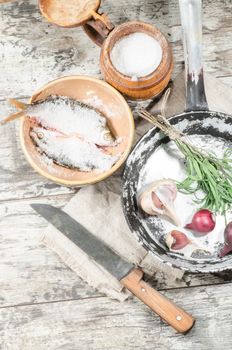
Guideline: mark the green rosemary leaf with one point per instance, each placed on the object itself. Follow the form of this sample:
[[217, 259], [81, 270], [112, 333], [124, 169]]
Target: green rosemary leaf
[[209, 174]]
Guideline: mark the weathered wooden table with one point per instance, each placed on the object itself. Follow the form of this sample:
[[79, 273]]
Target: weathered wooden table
[[43, 304]]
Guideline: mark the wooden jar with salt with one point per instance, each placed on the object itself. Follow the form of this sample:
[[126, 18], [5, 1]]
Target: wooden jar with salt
[[138, 87], [98, 27]]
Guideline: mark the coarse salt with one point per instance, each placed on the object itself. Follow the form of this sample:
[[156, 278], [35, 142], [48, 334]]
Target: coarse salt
[[72, 134], [72, 117], [71, 151], [136, 55]]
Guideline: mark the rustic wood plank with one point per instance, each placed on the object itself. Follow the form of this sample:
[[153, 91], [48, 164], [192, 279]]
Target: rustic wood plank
[[39, 51], [34, 51], [217, 33], [72, 315], [100, 323], [30, 273]]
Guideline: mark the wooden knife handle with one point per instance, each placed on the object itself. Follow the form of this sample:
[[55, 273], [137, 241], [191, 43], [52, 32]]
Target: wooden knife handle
[[169, 312]]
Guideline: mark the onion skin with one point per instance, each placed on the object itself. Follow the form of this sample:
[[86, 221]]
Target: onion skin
[[228, 241], [202, 222]]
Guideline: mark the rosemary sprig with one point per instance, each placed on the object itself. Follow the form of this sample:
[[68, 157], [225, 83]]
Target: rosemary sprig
[[205, 172]]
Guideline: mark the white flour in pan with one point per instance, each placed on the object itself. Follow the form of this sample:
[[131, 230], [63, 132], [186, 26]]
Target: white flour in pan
[[168, 162]]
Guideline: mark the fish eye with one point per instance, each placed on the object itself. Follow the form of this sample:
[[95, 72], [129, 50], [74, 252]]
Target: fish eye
[[40, 135]]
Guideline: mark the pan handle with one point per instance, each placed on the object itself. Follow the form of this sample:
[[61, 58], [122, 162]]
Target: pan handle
[[191, 20]]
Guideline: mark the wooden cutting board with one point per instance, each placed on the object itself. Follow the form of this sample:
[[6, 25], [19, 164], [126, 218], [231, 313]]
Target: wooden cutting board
[[219, 96]]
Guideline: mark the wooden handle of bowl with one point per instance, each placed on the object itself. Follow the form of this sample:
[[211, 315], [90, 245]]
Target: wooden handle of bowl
[[168, 311], [98, 28]]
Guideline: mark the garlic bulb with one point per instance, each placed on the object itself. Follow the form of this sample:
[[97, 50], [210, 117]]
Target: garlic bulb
[[158, 198]]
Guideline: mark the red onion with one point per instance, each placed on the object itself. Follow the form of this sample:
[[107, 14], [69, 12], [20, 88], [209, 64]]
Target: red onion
[[228, 241], [202, 222]]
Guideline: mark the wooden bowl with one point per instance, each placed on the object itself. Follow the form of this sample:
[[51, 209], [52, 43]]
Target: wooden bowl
[[101, 96], [68, 14], [145, 87]]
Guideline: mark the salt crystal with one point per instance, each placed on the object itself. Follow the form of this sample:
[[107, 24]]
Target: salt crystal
[[136, 55]]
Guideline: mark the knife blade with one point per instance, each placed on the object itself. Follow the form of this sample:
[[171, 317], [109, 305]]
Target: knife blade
[[129, 275], [85, 240]]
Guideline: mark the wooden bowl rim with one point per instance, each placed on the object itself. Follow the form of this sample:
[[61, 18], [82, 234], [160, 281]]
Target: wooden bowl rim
[[101, 176], [73, 25]]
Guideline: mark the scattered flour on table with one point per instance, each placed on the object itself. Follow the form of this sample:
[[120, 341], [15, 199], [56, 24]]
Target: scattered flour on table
[[168, 162], [136, 55]]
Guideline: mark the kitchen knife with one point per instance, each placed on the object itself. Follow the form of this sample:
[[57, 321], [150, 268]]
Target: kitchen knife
[[129, 275]]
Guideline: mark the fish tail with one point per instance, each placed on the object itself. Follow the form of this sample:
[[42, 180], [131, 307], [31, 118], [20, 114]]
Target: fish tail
[[12, 117], [17, 104]]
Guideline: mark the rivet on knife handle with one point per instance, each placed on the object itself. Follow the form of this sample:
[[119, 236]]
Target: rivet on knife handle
[[169, 312]]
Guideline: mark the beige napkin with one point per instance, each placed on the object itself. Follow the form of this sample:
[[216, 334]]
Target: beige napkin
[[98, 208]]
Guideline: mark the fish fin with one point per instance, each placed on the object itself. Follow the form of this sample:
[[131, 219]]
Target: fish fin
[[17, 104], [12, 117]]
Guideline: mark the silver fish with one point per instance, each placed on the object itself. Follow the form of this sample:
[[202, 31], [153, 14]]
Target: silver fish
[[71, 117], [71, 152]]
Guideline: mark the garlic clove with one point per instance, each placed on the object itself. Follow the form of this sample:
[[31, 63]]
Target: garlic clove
[[157, 199], [166, 197], [176, 240], [171, 213], [179, 242], [146, 202]]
